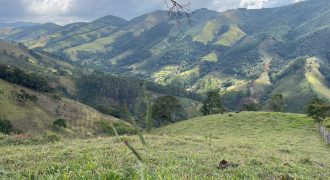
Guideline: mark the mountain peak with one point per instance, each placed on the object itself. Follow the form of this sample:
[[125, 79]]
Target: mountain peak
[[111, 20]]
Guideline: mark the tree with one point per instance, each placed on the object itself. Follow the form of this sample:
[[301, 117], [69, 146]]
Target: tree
[[277, 103], [318, 110], [166, 110], [212, 104]]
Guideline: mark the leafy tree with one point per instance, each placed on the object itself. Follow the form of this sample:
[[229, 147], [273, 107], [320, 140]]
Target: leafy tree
[[318, 109], [6, 126], [212, 103], [60, 123], [277, 103], [166, 110]]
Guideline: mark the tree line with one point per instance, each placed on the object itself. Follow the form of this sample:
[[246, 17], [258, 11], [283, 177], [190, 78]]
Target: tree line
[[20, 77]]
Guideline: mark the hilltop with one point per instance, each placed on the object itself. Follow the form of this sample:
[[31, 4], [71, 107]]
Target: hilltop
[[256, 146]]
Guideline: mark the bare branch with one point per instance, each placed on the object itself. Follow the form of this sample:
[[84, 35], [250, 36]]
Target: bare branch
[[179, 10]]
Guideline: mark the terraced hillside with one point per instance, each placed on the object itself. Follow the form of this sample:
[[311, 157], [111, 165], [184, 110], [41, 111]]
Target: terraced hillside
[[254, 145]]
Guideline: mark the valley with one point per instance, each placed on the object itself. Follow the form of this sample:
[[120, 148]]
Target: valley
[[238, 94], [224, 51]]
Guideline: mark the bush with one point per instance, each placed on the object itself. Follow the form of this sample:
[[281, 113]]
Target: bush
[[50, 137], [121, 128], [6, 127], [60, 123], [28, 139], [115, 111], [251, 107], [23, 96]]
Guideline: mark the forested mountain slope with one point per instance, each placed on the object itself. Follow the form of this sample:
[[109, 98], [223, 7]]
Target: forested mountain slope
[[248, 54]]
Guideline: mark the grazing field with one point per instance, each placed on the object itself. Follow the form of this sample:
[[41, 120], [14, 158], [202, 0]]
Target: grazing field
[[254, 145]]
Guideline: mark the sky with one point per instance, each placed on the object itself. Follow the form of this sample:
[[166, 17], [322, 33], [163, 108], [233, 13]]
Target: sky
[[67, 11]]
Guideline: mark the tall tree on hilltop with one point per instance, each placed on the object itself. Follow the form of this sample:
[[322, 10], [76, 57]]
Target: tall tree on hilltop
[[166, 110], [318, 109], [212, 103], [277, 103]]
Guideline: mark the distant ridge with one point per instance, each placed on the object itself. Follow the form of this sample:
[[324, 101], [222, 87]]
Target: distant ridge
[[17, 24]]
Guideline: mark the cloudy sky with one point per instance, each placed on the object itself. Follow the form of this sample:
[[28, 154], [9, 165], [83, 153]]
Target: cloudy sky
[[66, 11]]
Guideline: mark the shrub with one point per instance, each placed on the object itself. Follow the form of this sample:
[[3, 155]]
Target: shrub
[[50, 137], [121, 128], [23, 96], [6, 126], [60, 123], [251, 107], [56, 96], [28, 139]]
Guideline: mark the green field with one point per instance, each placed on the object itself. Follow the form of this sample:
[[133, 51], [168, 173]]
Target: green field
[[257, 145]]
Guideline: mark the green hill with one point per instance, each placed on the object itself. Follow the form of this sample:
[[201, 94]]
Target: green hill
[[227, 50], [255, 145], [20, 56]]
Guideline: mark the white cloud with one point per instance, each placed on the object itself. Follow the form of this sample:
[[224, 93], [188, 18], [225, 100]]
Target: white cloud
[[48, 7], [222, 5], [252, 4], [49, 10], [66, 11]]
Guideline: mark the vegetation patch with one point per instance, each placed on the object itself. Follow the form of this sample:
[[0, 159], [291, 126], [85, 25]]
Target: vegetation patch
[[6, 126], [229, 38], [28, 139], [20, 77], [122, 128], [60, 123]]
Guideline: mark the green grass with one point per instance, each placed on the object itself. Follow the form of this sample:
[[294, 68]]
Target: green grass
[[163, 73], [264, 145], [229, 38], [212, 57], [207, 33]]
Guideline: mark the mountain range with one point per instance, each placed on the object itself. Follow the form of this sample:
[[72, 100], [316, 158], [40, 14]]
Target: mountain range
[[249, 54]]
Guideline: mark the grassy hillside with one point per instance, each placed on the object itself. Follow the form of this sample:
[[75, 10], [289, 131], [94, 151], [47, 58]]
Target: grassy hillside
[[37, 115], [256, 145]]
